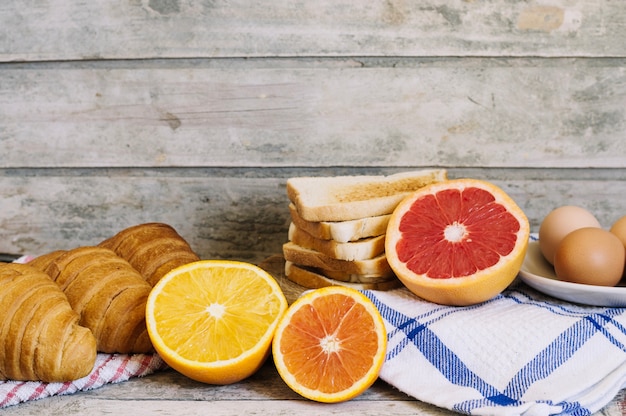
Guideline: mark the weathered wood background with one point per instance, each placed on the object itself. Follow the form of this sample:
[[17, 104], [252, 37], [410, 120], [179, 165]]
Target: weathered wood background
[[195, 113]]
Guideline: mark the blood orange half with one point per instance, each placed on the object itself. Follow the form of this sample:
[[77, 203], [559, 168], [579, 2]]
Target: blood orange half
[[330, 345], [458, 242]]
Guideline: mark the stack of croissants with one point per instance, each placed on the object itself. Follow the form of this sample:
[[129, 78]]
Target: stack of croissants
[[62, 308]]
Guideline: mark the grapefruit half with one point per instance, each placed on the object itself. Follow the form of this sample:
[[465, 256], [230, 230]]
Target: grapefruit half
[[457, 242]]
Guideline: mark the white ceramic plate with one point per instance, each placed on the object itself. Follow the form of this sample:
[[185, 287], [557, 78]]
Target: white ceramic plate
[[537, 273]]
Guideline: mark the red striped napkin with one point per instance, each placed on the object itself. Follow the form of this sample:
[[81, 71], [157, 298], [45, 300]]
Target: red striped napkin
[[108, 369]]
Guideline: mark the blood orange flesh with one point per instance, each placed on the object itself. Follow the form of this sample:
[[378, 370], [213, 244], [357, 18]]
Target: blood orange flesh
[[330, 345], [457, 242]]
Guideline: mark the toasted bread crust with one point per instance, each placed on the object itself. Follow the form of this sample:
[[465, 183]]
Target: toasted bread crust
[[363, 249], [344, 198], [313, 280], [308, 257], [341, 231]]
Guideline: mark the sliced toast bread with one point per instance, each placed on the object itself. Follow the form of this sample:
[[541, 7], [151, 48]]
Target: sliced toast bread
[[343, 198], [310, 279], [376, 266], [341, 231], [363, 249], [352, 277]]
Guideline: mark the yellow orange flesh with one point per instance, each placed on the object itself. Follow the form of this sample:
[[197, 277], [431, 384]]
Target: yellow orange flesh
[[213, 320], [458, 242], [330, 345]]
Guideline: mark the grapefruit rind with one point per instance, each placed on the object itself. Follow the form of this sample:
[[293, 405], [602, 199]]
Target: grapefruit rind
[[357, 387], [218, 372], [468, 290]]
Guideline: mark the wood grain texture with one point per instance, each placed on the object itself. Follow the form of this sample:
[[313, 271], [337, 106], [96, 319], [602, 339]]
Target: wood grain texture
[[268, 113], [92, 145], [241, 215], [99, 29], [169, 393]]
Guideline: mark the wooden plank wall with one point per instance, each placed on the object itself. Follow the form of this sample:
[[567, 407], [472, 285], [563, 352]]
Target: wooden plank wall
[[195, 113]]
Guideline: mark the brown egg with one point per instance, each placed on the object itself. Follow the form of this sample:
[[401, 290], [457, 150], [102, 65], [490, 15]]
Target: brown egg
[[619, 229], [560, 222], [591, 256]]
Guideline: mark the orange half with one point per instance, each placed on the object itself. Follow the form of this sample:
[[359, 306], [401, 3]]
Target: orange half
[[330, 345], [214, 320]]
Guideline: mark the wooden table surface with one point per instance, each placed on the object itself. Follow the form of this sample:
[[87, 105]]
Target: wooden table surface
[[169, 393]]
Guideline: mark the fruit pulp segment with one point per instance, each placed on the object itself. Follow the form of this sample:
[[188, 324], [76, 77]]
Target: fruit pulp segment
[[483, 230], [213, 316], [330, 343]]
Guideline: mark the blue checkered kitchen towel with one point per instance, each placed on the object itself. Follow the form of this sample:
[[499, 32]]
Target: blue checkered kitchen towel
[[519, 353]]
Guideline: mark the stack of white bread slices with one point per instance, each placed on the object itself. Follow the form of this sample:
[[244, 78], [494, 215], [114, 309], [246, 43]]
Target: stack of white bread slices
[[338, 226]]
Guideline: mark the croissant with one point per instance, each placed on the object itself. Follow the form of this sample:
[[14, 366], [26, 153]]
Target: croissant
[[40, 335], [107, 292], [152, 248], [42, 262]]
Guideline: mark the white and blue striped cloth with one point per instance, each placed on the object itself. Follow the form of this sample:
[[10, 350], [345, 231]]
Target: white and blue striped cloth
[[519, 353]]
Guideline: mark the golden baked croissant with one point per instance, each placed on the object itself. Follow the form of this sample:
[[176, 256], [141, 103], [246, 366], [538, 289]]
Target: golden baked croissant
[[107, 292], [40, 337], [152, 248], [42, 262]]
